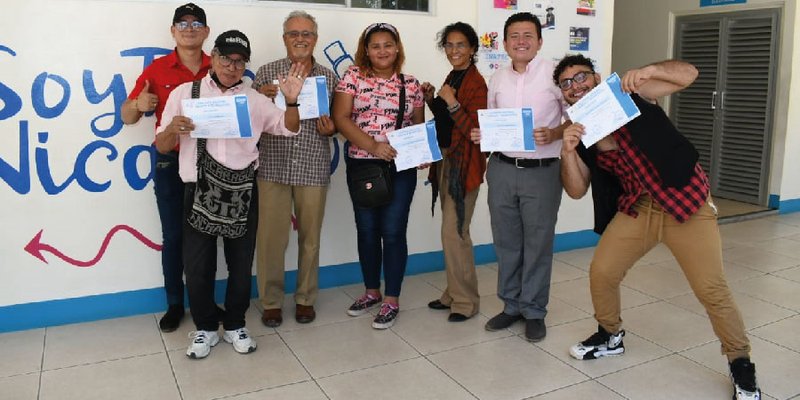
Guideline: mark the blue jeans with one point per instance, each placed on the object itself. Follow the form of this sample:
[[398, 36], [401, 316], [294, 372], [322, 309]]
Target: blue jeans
[[381, 232], [169, 199], [200, 253]]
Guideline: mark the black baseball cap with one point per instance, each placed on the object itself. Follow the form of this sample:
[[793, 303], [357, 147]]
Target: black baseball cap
[[189, 9], [233, 42]]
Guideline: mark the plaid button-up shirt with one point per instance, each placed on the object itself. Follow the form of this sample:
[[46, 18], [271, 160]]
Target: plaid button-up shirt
[[302, 160], [638, 176]]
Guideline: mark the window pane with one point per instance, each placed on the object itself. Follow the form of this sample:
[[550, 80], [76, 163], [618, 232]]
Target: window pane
[[413, 5], [313, 1]]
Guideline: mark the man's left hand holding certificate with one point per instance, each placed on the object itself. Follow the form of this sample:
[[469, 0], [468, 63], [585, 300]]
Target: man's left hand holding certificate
[[313, 98], [415, 145], [224, 117]]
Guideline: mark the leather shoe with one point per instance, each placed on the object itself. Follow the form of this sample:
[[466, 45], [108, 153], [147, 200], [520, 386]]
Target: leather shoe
[[438, 305], [304, 314], [501, 321], [172, 319], [272, 317], [456, 317], [535, 329]]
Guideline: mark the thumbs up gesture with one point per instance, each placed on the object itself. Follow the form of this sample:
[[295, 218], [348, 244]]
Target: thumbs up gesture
[[146, 101]]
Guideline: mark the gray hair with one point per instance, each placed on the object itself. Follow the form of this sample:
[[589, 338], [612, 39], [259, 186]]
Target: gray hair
[[300, 14]]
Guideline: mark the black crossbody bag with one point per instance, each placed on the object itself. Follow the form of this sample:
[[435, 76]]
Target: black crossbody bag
[[222, 195], [370, 181]]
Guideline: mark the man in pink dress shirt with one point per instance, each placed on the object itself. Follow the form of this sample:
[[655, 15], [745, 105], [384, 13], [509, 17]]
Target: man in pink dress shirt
[[524, 187], [228, 61]]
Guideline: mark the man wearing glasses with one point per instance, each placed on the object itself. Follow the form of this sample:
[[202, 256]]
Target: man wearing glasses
[[228, 62], [647, 188], [185, 64], [524, 187], [294, 176]]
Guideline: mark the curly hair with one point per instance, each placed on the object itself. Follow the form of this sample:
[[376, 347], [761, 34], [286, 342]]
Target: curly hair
[[465, 29], [568, 61]]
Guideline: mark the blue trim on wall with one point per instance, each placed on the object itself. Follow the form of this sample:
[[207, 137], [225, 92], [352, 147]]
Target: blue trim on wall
[[115, 305], [789, 206]]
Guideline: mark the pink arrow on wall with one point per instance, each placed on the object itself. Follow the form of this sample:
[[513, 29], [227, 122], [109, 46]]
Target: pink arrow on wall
[[35, 247]]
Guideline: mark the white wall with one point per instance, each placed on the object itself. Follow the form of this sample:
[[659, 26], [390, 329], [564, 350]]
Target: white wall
[[79, 43], [643, 33]]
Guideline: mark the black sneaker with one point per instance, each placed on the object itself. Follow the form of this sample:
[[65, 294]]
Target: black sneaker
[[600, 344], [743, 376], [172, 319], [501, 321], [386, 316], [363, 304]]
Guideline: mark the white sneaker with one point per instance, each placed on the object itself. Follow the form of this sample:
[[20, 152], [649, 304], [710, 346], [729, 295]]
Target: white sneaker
[[241, 340], [600, 344], [202, 342]]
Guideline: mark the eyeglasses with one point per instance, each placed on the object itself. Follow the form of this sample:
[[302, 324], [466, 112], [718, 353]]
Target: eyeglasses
[[580, 77], [304, 34], [184, 25], [380, 25], [459, 46], [227, 62]]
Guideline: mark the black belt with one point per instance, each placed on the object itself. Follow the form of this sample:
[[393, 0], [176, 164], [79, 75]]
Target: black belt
[[526, 162]]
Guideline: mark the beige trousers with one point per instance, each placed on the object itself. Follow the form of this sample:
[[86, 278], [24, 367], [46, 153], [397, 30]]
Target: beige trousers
[[461, 293], [696, 246], [274, 225]]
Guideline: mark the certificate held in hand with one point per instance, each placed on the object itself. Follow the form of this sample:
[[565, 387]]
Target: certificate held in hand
[[224, 117], [313, 98], [415, 145], [506, 129], [603, 110]]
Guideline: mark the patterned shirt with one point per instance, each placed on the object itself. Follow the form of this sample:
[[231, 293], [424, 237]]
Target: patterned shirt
[[637, 176], [302, 160], [376, 103]]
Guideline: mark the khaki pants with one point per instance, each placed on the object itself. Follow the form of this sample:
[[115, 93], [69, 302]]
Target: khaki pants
[[462, 282], [274, 224], [697, 248]]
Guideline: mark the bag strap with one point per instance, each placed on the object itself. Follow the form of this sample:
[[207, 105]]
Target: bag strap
[[201, 143], [402, 110]]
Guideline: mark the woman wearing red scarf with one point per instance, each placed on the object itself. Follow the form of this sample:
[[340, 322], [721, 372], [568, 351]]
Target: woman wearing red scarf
[[459, 175]]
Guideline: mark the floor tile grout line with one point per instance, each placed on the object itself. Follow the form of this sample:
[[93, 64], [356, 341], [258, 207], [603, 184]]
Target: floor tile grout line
[[451, 377], [41, 364], [305, 368], [169, 358]]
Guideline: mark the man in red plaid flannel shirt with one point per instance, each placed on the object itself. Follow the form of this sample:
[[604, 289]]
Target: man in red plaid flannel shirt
[[648, 188]]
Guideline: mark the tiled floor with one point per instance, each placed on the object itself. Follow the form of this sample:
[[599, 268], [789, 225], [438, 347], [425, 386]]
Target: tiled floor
[[671, 351]]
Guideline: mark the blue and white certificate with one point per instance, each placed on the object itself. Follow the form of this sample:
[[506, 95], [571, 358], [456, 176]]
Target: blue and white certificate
[[506, 129], [415, 145], [603, 110], [224, 117], [313, 98]]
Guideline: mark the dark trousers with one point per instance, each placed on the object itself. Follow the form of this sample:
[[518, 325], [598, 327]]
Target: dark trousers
[[381, 233], [169, 198], [200, 257]]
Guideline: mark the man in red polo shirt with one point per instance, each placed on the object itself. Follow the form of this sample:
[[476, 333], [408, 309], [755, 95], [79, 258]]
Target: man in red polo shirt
[[186, 63], [648, 187]]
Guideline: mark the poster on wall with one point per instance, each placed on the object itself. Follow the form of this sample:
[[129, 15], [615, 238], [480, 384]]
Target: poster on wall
[[506, 4], [578, 39], [563, 31], [586, 7], [546, 14]]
